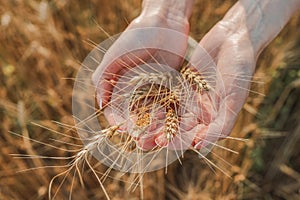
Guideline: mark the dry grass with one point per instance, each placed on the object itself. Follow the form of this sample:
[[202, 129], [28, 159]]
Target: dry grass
[[41, 47]]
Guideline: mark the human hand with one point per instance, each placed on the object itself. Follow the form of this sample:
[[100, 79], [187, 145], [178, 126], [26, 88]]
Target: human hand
[[235, 44], [143, 41], [158, 35], [234, 58]]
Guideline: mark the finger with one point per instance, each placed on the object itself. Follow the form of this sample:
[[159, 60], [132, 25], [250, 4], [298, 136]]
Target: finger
[[224, 122], [212, 42], [146, 140], [146, 144], [107, 74]]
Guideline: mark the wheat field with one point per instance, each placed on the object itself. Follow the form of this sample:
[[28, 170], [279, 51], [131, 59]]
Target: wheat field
[[42, 45]]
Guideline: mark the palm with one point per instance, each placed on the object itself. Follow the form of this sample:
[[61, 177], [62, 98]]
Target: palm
[[235, 61]]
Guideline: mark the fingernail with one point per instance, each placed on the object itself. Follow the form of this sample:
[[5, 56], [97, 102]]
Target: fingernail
[[198, 145], [100, 103]]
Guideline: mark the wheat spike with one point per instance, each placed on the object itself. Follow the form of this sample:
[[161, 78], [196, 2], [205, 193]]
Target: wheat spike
[[194, 78]]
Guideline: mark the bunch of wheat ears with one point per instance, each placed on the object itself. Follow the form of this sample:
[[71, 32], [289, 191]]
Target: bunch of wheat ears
[[147, 123]]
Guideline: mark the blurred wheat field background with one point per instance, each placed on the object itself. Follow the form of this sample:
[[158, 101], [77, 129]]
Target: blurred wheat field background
[[42, 44]]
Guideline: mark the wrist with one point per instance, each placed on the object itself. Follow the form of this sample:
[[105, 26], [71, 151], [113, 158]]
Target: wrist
[[178, 11], [266, 19], [262, 20]]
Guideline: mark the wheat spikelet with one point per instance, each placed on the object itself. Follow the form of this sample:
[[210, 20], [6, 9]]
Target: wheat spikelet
[[143, 118], [194, 78], [171, 124]]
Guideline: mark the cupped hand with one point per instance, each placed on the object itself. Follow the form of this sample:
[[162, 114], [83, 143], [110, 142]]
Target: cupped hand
[[146, 39], [235, 44], [230, 47]]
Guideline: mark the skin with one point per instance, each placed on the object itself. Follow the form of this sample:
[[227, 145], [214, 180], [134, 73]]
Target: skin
[[172, 15], [234, 44]]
